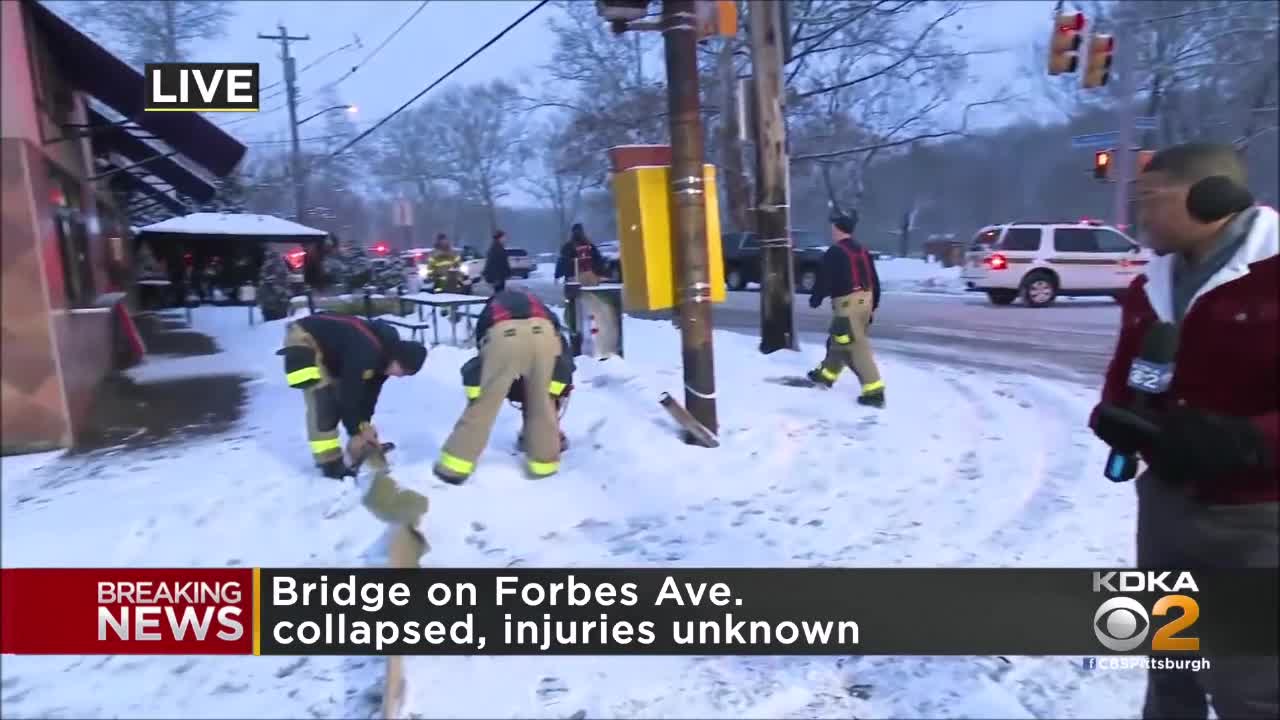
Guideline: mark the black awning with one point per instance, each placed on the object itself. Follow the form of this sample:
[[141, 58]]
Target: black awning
[[91, 68], [111, 137], [135, 184]]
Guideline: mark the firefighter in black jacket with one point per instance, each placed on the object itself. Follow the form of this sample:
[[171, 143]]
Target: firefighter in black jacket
[[848, 276], [522, 349], [340, 362]]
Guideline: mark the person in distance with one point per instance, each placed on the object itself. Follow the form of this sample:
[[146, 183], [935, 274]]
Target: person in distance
[[848, 276], [523, 356], [580, 259], [1209, 496], [497, 266], [340, 363]]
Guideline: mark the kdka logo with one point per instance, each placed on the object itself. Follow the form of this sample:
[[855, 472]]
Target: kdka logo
[[1122, 624], [202, 87]]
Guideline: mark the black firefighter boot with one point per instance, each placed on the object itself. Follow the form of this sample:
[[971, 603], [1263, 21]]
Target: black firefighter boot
[[874, 399], [820, 377]]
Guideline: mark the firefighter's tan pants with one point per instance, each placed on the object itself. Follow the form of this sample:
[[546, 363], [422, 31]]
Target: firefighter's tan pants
[[322, 409], [511, 349], [854, 349]]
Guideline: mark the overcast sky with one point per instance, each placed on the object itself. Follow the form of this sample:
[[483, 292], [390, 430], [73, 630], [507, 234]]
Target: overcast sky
[[445, 31]]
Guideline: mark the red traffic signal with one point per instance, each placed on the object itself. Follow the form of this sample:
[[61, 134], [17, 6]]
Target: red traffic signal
[[295, 258], [1067, 22], [1064, 45]]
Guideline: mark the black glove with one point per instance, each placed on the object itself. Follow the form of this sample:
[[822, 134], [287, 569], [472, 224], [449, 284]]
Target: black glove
[[1123, 430], [336, 470], [1194, 447], [815, 301]]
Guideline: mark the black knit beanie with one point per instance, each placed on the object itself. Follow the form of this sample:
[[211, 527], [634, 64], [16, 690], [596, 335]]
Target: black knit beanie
[[844, 221], [410, 355]]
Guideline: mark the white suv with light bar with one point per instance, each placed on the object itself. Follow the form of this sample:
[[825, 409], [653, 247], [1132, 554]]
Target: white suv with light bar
[[1040, 261]]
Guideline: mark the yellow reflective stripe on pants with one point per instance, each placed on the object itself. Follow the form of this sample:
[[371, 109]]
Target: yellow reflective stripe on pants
[[456, 464], [872, 387], [473, 391], [829, 373], [557, 387], [543, 468], [842, 339], [324, 446], [297, 377]]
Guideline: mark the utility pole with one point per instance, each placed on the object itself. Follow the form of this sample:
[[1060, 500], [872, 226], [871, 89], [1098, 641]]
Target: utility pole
[[777, 293], [1126, 116], [689, 219], [291, 92]]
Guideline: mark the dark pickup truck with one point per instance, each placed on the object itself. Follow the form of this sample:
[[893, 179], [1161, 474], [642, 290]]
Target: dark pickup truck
[[742, 259]]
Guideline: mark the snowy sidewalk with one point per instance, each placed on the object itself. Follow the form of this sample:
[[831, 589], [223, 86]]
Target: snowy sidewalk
[[962, 469]]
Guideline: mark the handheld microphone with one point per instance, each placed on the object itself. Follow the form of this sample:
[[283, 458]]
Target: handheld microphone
[[1149, 377]]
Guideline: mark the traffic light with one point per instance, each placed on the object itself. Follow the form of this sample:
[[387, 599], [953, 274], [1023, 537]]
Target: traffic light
[[1098, 63], [1102, 163], [1064, 46]]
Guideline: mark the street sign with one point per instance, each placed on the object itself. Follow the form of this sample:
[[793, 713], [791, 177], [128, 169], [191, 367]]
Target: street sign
[[1095, 140], [1144, 122]]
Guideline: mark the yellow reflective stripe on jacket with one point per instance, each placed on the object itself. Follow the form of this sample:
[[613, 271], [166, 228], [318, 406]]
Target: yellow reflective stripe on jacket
[[873, 386], [297, 377], [456, 464], [543, 468], [473, 391], [324, 446], [842, 339], [829, 374], [557, 387]]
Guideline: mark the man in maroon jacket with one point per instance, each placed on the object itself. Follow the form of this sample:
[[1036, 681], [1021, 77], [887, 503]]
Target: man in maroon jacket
[[1210, 496]]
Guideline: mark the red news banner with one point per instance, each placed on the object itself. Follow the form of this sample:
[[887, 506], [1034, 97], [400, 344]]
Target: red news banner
[[155, 611]]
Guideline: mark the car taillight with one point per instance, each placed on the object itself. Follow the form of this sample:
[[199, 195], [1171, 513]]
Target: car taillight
[[996, 262]]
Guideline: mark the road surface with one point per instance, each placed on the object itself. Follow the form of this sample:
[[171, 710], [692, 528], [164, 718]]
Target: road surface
[[1071, 339]]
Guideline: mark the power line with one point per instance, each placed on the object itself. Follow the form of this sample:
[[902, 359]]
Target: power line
[[378, 49], [355, 43], [442, 78]]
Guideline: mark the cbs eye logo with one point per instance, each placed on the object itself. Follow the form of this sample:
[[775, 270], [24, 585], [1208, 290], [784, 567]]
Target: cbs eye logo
[[1122, 624]]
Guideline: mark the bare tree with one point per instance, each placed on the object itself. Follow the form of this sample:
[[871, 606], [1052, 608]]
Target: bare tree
[[482, 140], [409, 154], [155, 31], [558, 178]]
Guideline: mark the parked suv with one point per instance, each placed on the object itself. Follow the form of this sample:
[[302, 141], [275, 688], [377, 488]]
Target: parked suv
[[1039, 261], [521, 262], [742, 259]]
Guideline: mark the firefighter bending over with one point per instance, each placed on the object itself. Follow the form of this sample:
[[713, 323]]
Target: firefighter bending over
[[848, 276], [522, 349], [340, 363]]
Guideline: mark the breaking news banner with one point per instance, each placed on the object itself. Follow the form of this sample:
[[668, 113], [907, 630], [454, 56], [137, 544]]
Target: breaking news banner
[[649, 611]]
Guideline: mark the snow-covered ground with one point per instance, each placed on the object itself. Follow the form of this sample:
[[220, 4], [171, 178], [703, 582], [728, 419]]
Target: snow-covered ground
[[915, 275], [962, 469]]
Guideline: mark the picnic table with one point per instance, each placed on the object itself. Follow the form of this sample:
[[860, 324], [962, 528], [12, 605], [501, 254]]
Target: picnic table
[[449, 301]]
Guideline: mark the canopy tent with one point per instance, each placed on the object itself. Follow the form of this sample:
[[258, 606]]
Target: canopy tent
[[242, 227], [204, 236]]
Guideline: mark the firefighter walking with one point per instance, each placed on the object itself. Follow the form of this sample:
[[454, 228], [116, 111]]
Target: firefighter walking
[[340, 362], [848, 276], [444, 267], [522, 349]]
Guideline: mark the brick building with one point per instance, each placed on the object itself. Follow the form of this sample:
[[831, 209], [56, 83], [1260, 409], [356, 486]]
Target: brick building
[[77, 158]]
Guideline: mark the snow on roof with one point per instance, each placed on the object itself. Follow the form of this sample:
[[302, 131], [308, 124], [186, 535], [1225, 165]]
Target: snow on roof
[[232, 224]]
